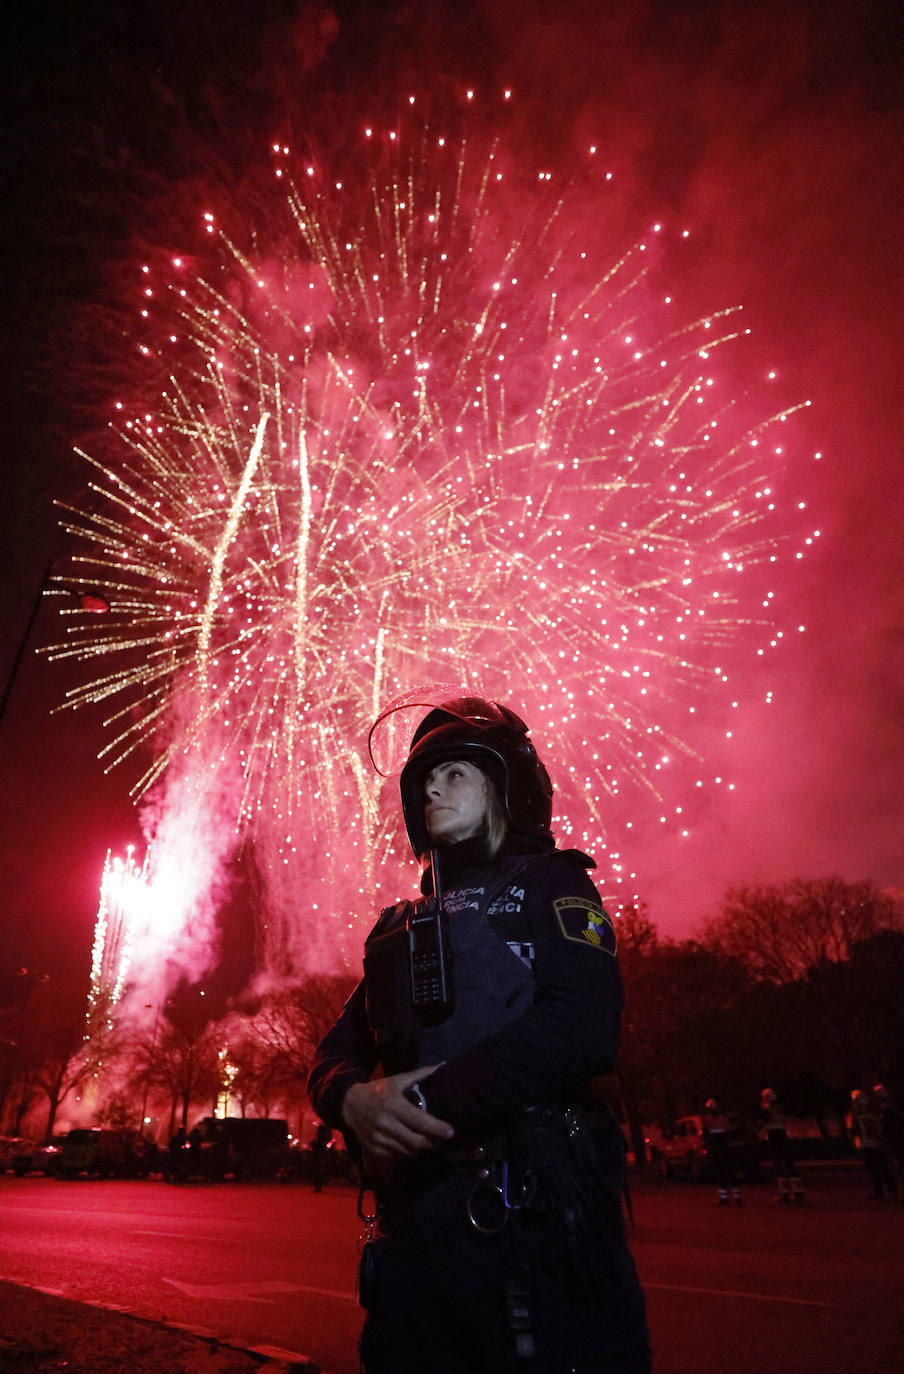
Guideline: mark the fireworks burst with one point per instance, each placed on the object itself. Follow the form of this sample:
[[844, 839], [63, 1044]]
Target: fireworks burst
[[434, 430], [122, 914]]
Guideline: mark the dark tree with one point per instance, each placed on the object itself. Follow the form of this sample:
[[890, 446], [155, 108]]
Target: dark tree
[[291, 1023], [18, 1089], [858, 1014], [259, 1080], [54, 1035], [781, 932], [184, 1060], [684, 1035]]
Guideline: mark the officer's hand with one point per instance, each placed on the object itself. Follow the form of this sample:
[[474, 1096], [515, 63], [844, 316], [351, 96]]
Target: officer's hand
[[387, 1125]]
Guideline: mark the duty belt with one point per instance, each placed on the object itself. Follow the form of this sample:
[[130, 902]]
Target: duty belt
[[533, 1137], [509, 1163]]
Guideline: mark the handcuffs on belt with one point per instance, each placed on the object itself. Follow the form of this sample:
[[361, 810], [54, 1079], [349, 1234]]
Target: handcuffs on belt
[[489, 1191], [492, 1193]]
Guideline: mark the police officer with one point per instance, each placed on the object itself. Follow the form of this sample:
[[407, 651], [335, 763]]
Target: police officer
[[891, 1133], [717, 1129], [865, 1125], [456, 1072], [772, 1121]]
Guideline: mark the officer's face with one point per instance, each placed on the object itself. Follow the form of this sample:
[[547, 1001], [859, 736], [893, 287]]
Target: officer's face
[[456, 801]]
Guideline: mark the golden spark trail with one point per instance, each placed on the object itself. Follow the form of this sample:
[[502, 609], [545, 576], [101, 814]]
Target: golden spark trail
[[230, 530]]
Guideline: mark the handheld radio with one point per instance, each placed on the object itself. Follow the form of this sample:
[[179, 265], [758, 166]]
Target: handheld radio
[[430, 954]]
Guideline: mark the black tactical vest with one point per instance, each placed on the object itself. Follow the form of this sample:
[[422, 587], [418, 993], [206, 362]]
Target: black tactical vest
[[493, 982]]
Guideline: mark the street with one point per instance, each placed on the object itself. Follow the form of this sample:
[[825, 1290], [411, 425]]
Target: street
[[739, 1289]]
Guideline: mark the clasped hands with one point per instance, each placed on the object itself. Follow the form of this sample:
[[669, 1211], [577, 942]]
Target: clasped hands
[[386, 1124]]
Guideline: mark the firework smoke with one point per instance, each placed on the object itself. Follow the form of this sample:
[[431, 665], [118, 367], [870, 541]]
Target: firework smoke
[[426, 423]]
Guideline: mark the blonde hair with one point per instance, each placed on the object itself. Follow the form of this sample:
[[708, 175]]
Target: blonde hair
[[496, 821]]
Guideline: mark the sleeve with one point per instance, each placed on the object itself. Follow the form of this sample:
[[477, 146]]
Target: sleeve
[[570, 1031], [347, 1054]]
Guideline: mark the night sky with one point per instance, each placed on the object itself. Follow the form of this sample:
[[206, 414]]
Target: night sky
[[772, 131]]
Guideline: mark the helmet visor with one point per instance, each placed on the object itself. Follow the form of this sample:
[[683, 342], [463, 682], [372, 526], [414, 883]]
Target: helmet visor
[[391, 735]]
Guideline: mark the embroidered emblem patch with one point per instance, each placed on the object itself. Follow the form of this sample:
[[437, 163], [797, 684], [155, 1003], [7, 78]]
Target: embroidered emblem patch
[[580, 920]]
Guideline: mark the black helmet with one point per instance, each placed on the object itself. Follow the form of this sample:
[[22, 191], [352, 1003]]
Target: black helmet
[[495, 740]]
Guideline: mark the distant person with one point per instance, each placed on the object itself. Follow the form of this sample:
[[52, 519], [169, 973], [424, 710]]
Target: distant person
[[865, 1127], [193, 1153], [177, 1156], [891, 1131], [149, 1155], [320, 1155], [718, 1137], [772, 1122]]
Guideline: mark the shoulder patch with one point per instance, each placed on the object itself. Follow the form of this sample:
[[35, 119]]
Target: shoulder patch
[[580, 919]]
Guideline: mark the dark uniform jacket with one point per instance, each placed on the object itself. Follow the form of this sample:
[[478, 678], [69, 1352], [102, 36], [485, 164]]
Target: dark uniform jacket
[[538, 998]]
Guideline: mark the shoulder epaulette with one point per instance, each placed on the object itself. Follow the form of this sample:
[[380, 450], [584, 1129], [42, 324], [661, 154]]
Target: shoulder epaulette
[[389, 919], [577, 857]]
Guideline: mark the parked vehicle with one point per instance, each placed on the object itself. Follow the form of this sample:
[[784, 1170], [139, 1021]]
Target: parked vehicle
[[42, 1159], [110, 1152], [10, 1147], [241, 1146], [685, 1148]]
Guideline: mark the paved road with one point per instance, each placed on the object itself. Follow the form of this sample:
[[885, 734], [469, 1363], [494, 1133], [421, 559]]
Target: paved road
[[738, 1290]]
